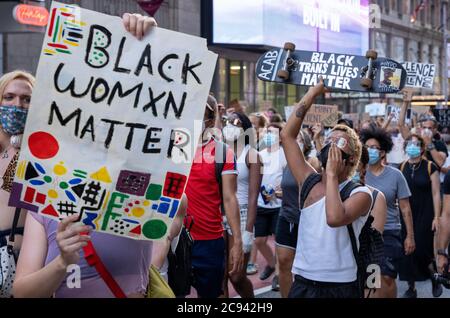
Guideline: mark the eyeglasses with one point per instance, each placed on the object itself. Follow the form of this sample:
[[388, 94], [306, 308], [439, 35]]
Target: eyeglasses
[[373, 147]]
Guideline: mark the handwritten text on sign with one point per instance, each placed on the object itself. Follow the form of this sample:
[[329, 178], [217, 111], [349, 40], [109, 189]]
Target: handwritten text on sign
[[326, 114], [111, 119], [419, 75]]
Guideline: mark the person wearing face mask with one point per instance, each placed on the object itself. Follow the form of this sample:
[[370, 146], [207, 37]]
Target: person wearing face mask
[[436, 149], [422, 176], [287, 224], [15, 96], [324, 265], [238, 133], [393, 185], [269, 199]]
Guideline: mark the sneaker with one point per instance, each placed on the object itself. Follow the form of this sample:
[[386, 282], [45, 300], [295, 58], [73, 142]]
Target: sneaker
[[275, 283], [267, 272], [252, 269], [410, 293], [436, 288]]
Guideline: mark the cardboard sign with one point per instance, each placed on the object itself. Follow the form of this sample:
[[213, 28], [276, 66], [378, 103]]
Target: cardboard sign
[[325, 114], [419, 75], [110, 132]]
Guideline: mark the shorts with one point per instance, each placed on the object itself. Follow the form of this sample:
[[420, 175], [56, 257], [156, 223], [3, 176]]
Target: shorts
[[208, 266], [243, 212], [286, 233], [305, 288], [393, 252], [266, 221]]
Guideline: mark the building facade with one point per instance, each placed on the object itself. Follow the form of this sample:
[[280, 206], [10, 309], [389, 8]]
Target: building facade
[[397, 37]]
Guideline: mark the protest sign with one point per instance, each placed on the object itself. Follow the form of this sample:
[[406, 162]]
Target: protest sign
[[288, 111], [325, 114], [420, 75], [396, 114], [376, 109], [110, 132]]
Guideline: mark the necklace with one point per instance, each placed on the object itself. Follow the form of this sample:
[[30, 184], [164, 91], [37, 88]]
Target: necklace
[[414, 168]]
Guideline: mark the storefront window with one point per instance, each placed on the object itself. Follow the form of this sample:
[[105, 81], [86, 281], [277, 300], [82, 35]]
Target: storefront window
[[235, 80], [398, 49], [413, 51], [381, 44]]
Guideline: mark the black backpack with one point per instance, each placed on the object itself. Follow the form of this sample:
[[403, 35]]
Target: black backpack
[[180, 264], [371, 246]]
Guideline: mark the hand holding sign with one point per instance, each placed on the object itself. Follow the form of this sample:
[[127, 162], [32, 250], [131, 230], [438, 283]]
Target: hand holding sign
[[137, 24]]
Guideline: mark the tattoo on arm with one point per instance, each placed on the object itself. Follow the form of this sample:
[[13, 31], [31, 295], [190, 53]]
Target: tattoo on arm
[[301, 111]]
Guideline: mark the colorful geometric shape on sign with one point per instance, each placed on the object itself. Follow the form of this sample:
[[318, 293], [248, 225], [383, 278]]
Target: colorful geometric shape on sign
[[137, 230], [154, 229], [79, 189], [40, 198], [43, 145], [64, 31], [154, 192], [30, 172], [132, 182], [29, 195], [174, 185], [50, 210], [101, 175], [168, 206], [15, 198]]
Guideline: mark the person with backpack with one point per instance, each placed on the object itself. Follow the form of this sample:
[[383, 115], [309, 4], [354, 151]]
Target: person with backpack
[[334, 209], [443, 238], [379, 214], [239, 135], [423, 180], [393, 185], [207, 190], [287, 224]]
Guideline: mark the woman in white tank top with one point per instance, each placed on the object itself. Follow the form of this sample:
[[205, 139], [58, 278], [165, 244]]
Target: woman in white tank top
[[239, 135]]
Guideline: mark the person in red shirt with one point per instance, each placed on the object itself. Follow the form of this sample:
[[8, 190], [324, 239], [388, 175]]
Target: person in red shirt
[[204, 208]]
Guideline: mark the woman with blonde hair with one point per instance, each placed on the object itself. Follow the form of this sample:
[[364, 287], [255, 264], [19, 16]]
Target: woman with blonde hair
[[15, 96]]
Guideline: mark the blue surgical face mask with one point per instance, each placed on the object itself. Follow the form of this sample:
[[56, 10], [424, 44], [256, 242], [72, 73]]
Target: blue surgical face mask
[[270, 139], [413, 151], [374, 156], [13, 119]]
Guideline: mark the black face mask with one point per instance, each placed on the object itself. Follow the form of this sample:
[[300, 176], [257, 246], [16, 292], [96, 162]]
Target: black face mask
[[323, 155]]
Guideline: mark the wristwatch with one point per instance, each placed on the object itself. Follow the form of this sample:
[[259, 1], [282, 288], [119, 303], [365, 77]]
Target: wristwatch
[[442, 252], [430, 146]]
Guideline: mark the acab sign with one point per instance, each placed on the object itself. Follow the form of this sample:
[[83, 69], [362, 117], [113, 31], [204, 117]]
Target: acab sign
[[31, 15]]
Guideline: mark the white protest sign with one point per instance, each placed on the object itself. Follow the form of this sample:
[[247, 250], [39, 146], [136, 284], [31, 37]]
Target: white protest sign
[[396, 111], [376, 109], [288, 111], [419, 75], [110, 132]]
